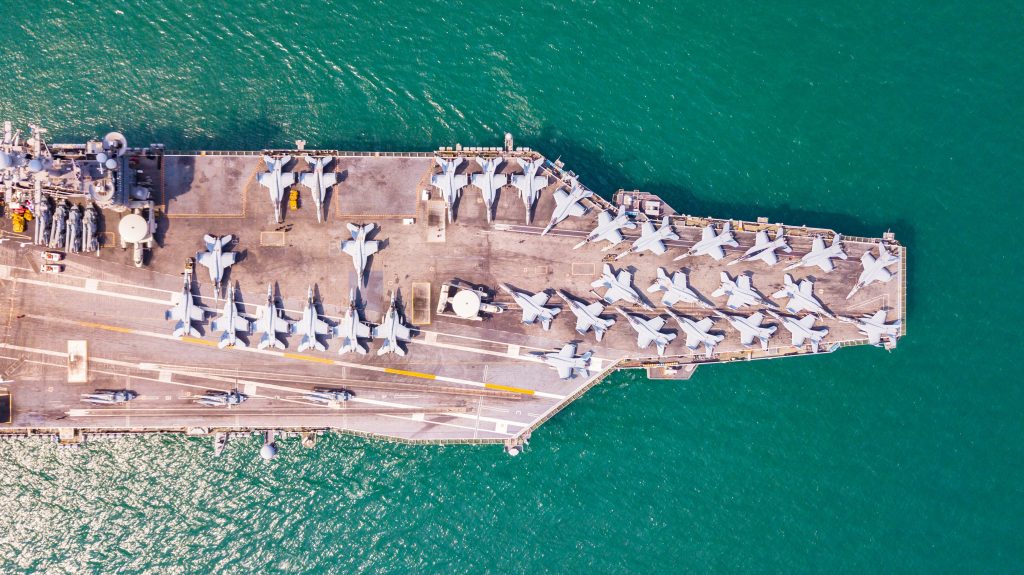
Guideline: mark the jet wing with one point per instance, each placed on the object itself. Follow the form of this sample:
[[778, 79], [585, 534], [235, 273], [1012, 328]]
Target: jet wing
[[807, 321], [746, 337], [716, 252], [624, 277], [241, 324], [644, 339], [279, 324], [807, 288], [205, 259], [826, 265], [647, 229], [350, 247], [613, 236], [370, 248], [568, 351], [320, 327], [770, 258], [539, 298], [219, 324], [657, 248], [362, 330], [329, 179], [708, 233], [738, 300], [529, 315], [743, 282], [196, 313], [287, 179], [604, 218], [756, 318], [402, 332], [308, 179], [656, 323], [227, 259], [705, 324], [798, 339], [596, 308], [583, 324], [817, 245], [564, 372], [878, 317], [761, 238], [577, 209]]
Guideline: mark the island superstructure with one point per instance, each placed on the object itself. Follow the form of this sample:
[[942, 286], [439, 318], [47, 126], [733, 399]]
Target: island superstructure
[[473, 292]]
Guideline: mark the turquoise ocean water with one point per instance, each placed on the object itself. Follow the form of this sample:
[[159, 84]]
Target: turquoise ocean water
[[875, 116]]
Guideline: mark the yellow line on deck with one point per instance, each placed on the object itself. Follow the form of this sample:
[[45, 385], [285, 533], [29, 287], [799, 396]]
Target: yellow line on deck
[[509, 388], [199, 341], [308, 358], [409, 373], [106, 327]]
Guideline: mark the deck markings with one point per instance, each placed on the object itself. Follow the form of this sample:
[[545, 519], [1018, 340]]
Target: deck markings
[[160, 379], [296, 356]]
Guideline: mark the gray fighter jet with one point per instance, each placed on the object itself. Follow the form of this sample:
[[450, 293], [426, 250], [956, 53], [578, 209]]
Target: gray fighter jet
[[801, 297], [90, 233], [529, 184], [802, 330], [676, 289], [533, 306], [329, 396], [741, 292], [449, 183], [360, 249], [351, 329], [750, 328], [652, 240], [222, 398], [588, 316], [216, 260], [874, 326], [568, 204], [764, 249], [276, 180], [230, 322], [697, 333], [59, 226], [392, 331], [609, 228], [567, 362], [619, 287], [649, 331], [489, 182], [109, 396], [311, 327], [270, 322], [74, 233], [711, 244], [44, 217], [820, 255], [186, 311], [318, 181], [874, 269]]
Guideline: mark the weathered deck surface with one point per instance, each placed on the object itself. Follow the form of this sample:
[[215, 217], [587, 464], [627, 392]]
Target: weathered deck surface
[[461, 381]]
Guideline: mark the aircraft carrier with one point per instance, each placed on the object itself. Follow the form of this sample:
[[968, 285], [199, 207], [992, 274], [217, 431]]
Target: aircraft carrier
[[99, 238]]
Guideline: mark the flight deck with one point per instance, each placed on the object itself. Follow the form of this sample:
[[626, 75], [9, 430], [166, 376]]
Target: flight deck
[[473, 371]]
